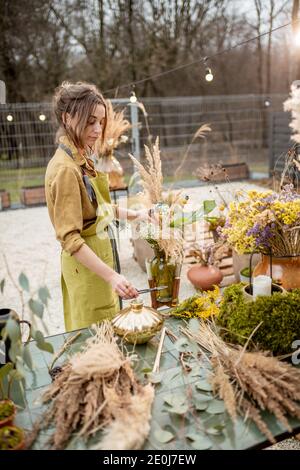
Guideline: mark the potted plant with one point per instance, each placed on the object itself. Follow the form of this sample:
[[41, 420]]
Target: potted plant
[[206, 274], [15, 358], [268, 222], [7, 412], [11, 438]]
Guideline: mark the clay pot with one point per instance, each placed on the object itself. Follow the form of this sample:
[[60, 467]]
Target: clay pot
[[204, 277]]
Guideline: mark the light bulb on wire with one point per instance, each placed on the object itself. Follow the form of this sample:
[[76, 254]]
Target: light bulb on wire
[[133, 98], [42, 117], [297, 38], [208, 75], [10, 117]]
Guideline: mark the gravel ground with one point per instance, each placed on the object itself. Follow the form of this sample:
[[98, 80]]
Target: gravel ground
[[28, 243]]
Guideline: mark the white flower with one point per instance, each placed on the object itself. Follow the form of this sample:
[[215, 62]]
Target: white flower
[[124, 139], [110, 142]]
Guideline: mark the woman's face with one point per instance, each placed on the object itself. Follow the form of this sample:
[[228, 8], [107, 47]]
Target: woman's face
[[95, 125], [94, 128]]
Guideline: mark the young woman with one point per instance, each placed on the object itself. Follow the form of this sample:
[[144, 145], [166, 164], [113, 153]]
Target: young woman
[[78, 202]]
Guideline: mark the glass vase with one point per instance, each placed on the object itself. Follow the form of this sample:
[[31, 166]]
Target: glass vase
[[285, 270], [163, 271]]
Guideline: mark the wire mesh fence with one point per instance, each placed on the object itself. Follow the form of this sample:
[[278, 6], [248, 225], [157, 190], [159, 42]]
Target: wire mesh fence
[[240, 133]]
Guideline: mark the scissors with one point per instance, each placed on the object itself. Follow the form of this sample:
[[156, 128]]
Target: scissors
[[151, 289]]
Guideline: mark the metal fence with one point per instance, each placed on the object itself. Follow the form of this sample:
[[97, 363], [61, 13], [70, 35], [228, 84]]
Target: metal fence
[[240, 133]]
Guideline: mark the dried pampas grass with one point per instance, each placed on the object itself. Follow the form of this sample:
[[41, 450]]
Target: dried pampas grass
[[131, 424], [151, 174], [95, 390], [249, 382], [116, 126]]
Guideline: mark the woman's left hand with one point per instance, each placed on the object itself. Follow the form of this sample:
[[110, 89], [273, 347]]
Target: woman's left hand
[[147, 215]]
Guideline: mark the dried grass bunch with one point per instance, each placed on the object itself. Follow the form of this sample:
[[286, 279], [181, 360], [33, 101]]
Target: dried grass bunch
[[249, 382], [209, 254], [97, 390], [116, 126], [151, 174]]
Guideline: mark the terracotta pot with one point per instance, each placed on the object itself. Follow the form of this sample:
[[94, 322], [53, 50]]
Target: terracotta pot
[[285, 271], [204, 277]]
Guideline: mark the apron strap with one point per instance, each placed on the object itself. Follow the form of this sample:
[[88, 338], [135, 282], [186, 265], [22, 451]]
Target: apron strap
[[89, 188]]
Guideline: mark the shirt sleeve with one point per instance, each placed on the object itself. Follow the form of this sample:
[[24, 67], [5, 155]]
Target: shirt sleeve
[[67, 209]]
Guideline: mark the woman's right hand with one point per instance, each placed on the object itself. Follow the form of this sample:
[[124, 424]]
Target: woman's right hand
[[123, 287]]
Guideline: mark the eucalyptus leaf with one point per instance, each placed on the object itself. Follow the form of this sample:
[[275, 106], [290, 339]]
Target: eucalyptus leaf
[[175, 400], [38, 336], [200, 405], [208, 206], [215, 430], [27, 357], [202, 443], [44, 295], [216, 407], [2, 284], [13, 330], [155, 377], [20, 367], [163, 436], [46, 347], [23, 281], [202, 396], [179, 409], [4, 370], [36, 307], [204, 385]]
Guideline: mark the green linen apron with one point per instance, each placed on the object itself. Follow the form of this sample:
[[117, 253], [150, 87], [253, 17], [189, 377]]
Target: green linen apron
[[87, 298]]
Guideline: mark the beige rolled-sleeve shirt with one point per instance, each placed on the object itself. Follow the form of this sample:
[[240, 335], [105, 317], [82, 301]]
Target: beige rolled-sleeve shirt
[[69, 206]]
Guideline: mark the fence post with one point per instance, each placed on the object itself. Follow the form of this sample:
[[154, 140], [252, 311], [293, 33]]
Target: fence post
[[2, 92], [134, 114]]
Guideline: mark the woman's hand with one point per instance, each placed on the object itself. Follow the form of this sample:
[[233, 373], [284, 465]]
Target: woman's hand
[[147, 215], [123, 287]]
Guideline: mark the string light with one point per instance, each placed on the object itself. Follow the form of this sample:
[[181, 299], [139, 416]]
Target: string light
[[42, 117], [297, 38], [267, 103], [133, 98], [208, 75], [194, 62], [10, 117]]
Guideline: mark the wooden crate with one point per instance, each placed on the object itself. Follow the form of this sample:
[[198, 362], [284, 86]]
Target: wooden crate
[[234, 171], [5, 199], [33, 196]]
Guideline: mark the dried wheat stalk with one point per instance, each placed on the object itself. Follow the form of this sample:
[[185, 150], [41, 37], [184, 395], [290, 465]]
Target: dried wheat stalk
[[97, 389], [249, 382]]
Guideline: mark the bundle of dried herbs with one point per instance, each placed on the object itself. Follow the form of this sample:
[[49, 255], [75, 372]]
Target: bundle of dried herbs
[[249, 382], [97, 390]]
